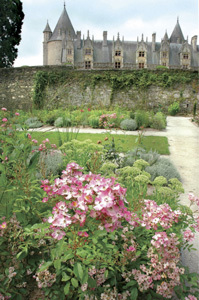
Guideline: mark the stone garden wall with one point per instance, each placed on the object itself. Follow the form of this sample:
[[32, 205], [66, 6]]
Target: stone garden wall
[[17, 89]]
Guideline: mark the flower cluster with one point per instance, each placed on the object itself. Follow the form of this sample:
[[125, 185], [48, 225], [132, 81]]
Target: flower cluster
[[154, 215], [107, 120], [44, 278], [164, 256], [190, 297], [85, 196], [98, 274]]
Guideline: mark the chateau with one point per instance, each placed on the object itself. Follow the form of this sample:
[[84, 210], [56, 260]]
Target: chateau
[[64, 46]]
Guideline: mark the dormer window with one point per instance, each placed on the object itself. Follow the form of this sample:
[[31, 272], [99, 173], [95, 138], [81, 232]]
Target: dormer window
[[69, 51], [88, 51], [88, 64], [164, 54], [185, 56], [141, 53], [117, 65], [118, 53]]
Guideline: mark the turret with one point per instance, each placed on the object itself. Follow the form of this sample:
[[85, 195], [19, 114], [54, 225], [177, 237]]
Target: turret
[[47, 35], [153, 41], [177, 35]]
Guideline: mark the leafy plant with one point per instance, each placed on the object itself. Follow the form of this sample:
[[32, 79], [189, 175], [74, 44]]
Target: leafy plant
[[174, 108], [33, 123], [128, 124], [159, 121]]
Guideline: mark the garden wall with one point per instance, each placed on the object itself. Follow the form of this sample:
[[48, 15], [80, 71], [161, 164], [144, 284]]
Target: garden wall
[[67, 87]]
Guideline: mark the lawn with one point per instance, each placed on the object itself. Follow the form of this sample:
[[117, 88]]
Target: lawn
[[123, 143]]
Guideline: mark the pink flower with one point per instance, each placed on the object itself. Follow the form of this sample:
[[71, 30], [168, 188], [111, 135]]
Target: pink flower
[[29, 136], [3, 225], [4, 109], [190, 297], [188, 235], [89, 109], [81, 110], [84, 234], [58, 234], [131, 248], [34, 141], [4, 120], [17, 114], [45, 199]]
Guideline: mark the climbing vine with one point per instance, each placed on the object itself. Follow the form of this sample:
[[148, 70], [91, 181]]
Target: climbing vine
[[117, 80]]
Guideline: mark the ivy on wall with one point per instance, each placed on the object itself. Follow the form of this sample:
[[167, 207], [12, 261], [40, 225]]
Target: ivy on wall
[[117, 80]]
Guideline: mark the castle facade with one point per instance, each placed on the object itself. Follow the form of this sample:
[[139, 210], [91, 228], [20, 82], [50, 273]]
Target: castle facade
[[64, 46]]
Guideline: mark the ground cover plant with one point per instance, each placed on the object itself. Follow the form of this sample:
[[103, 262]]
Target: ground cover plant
[[82, 235]]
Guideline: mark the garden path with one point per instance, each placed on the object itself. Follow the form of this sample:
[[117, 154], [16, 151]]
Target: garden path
[[183, 138]]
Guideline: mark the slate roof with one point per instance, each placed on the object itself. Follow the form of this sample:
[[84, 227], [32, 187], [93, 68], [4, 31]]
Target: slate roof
[[177, 34], [64, 25], [47, 28]]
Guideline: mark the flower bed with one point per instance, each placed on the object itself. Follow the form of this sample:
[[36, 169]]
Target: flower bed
[[76, 236]]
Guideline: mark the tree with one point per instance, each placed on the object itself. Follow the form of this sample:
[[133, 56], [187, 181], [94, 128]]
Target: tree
[[11, 20]]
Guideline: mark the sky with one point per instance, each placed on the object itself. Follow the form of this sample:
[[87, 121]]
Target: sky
[[131, 18]]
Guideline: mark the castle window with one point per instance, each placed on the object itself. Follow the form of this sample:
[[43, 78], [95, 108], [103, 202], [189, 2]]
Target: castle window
[[117, 65], [185, 66], [164, 64], [118, 53], [141, 54], [88, 51], [88, 64], [141, 65], [69, 51], [185, 56], [164, 54]]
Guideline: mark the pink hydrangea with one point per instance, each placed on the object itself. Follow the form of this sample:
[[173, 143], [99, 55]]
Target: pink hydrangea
[[4, 120], [4, 109], [17, 114]]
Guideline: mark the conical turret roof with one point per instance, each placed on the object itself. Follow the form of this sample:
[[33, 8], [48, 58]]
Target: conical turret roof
[[64, 25], [177, 35], [47, 28]]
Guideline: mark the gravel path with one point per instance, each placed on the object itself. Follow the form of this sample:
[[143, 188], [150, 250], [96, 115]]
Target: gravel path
[[183, 137]]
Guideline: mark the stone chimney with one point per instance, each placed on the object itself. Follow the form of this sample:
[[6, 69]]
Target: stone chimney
[[104, 38], [194, 42], [153, 41], [78, 39]]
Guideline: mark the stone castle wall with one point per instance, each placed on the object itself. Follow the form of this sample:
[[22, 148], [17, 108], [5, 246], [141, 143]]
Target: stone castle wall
[[17, 87]]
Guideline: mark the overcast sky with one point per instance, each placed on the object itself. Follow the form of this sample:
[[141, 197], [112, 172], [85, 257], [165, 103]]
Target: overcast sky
[[130, 18]]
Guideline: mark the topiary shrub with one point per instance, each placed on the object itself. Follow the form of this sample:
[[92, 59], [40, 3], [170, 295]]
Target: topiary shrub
[[128, 124], [163, 167], [159, 121], [174, 108], [33, 123]]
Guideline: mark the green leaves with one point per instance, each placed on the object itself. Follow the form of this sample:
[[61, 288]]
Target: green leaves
[[134, 294]]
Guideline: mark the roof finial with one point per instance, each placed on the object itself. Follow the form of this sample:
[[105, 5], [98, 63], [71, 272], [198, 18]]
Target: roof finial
[[178, 19], [64, 4]]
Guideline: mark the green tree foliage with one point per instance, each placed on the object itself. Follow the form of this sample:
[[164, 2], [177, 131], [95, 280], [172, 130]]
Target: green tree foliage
[[11, 20]]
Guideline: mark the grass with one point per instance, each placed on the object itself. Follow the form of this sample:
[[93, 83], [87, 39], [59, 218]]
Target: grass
[[123, 143]]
